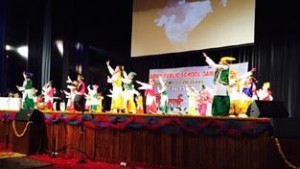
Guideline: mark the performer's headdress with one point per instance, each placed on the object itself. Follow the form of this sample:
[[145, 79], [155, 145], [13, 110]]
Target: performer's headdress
[[227, 59], [28, 74], [132, 74], [267, 85], [254, 79]]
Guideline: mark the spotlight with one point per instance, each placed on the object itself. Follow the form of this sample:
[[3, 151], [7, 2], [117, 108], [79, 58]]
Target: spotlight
[[79, 46], [22, 50], [8, 47], [60, 46]]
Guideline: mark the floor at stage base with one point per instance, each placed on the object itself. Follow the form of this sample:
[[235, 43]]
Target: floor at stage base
[[170, 141]]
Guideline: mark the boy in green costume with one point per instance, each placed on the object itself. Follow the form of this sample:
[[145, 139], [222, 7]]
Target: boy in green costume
[[221, 100]]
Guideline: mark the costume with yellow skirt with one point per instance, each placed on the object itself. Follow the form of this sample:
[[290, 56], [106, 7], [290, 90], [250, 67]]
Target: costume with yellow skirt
[[117, 99], [139, 104], [238, 102]]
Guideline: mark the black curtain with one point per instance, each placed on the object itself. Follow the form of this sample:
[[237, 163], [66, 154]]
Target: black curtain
[[35, 16], [47, 43], [2, 47]]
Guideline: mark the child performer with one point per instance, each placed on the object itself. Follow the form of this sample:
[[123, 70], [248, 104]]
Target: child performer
[[150, 94], [192, 94], [221, 100], [238, 101], [139, 104], [129, 92], [26, 89], [204, 101], [265, 93], [79, 100], [70, 96], [164, 99], [48, 94], [117, 105], [99, 105], [93, 97]]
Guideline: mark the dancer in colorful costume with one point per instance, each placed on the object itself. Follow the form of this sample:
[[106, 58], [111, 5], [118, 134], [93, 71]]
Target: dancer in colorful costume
[[204, 101], [70, 96], [100, 105], [139, 104], [92, 96], [79, 100], [238, 84], [192, 95], [164, 98], [221, 100], [150, 94], [27, 92], [265, 93], [117, 103], [48, 93], [129, 92]]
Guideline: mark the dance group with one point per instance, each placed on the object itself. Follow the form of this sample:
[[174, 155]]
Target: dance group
[[232, 93]]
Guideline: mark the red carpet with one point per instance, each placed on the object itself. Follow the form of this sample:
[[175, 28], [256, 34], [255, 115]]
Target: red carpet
[[62, 163], [65, 162]]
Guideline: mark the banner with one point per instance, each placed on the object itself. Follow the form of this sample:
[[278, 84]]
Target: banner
[[180, 80]]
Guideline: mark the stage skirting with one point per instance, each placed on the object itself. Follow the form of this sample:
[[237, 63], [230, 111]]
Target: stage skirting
[[159, 141]]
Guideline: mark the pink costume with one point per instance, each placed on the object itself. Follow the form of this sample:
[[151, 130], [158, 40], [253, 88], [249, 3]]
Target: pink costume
[[150, 94], [204, 102], [48, 94]]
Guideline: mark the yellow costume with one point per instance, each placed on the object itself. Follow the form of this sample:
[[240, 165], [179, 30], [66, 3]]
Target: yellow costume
[[139, 104], [116, 95], [117, 99]]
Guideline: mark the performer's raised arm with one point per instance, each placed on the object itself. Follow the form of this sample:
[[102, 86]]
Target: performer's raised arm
[[212, 64], [110, 69], [248, 74], [69, 80], [144, 86], [163, 85], [89, 88]]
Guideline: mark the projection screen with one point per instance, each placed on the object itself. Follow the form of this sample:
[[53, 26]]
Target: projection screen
[[172, 26]]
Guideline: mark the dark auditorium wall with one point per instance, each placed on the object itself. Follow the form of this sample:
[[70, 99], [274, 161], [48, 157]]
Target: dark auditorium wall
[[1, 44]]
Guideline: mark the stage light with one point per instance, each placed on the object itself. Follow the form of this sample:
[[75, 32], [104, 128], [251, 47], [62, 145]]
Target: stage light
[[78, 68], [79, 46], [8, 47], [60, 46], [22, 50]]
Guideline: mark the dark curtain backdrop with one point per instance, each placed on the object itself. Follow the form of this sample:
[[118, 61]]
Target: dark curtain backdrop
[[2, 46], [35, 16]]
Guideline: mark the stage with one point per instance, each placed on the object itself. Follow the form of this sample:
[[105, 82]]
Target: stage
[[160, 141]]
